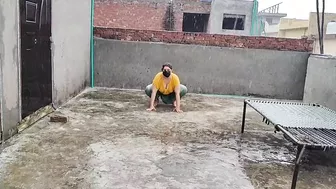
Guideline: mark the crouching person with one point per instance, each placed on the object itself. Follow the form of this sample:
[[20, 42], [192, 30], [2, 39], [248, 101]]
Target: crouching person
[[166, 85]]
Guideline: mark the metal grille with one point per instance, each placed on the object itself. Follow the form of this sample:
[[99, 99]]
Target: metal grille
[[295, 114], [325, 138]]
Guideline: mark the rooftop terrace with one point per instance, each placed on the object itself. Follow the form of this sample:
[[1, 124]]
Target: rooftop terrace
[[111, 141]]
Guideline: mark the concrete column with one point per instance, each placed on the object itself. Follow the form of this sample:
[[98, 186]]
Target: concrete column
[[70, 48]]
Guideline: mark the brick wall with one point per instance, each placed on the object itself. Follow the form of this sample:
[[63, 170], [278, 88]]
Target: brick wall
[[143, 14], [282, 44]]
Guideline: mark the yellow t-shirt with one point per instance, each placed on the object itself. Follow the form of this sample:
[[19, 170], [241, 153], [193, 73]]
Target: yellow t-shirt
[[158, 82]]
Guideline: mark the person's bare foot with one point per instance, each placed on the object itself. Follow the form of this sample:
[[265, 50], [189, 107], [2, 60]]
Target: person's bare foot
[[152, 108], [176, 110], [156, 102], [154, 105]]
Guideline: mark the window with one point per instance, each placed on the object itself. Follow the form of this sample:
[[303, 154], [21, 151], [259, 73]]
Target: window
[[233, 22], [195, 22], [331, 28], [31, 12]]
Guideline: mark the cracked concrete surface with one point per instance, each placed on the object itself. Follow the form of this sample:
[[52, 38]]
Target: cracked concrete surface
[[111, 141]]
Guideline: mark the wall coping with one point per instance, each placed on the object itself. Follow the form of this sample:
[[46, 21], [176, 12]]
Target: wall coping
[[233, 41], [323, 56]]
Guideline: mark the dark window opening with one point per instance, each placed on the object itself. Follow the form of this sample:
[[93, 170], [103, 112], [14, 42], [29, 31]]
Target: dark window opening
[[31, 11], [233, 22], [195, 22]]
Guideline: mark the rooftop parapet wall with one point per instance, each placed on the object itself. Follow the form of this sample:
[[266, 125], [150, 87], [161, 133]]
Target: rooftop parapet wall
[[203, 69], [281, 44]]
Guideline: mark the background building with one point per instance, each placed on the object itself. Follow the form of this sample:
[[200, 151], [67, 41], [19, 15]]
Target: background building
[[269, 19], [298, 28], [329, 32], [237, 17], [152, 14], [293, 28], [231, 17]]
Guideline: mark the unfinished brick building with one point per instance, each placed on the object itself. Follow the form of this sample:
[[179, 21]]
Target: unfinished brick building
[[151, 14], [238, 17]]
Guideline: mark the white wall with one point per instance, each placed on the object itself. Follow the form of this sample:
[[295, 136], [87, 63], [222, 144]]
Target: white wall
[[71, 48], [271, 30], [9, 61], [329, 45]]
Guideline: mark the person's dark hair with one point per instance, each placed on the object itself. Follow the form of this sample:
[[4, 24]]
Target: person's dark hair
[[166, 64]]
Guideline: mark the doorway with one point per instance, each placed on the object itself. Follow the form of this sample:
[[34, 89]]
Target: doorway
[[35, 25]]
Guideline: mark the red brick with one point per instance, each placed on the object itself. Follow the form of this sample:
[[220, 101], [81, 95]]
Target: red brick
[[145, 14], [205, 39]]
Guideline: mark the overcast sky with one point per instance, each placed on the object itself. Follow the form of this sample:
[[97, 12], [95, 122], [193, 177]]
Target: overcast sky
[[298, 8]]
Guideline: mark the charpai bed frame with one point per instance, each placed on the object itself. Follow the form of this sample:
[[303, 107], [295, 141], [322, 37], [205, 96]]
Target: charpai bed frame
[[305, 125]]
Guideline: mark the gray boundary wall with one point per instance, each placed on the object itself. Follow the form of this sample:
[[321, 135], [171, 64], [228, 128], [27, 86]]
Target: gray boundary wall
[[203, 69], [9, 63], [71, 48], [320, 84]]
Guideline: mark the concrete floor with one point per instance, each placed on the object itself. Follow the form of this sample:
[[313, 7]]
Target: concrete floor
[[111, 141]]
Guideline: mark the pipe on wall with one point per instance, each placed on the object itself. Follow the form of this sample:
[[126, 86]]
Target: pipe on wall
[[92, 44], [254, 22]]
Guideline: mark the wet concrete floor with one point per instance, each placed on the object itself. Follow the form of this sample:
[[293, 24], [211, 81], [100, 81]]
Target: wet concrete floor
[[111, 141]]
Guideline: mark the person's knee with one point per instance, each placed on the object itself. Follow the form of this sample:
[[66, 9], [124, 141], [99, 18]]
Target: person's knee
[[183, 90], [148, 90]]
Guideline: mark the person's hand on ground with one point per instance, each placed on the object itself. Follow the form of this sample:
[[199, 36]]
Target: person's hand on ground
[[151, 109], [177, 110]]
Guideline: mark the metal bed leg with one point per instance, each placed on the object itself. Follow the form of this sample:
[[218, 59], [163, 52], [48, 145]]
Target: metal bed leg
[[243, 121], [299, 149], [299, 154]]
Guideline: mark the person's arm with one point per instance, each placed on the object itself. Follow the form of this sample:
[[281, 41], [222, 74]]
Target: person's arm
[[154, 91], [178, 98], [177, 90]]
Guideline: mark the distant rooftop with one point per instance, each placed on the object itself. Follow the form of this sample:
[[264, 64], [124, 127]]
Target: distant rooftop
[[293, 23], [272, 12], [272, 9]]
